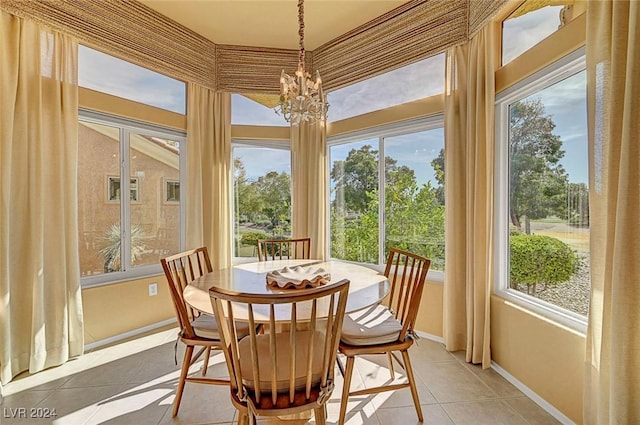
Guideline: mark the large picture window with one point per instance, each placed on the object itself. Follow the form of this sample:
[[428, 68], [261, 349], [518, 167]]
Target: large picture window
[[396, 202], [126, 236], [261, 194], [544, 190]]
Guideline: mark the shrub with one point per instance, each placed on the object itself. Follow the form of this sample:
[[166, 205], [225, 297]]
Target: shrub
[[537, 259], [251, 238]]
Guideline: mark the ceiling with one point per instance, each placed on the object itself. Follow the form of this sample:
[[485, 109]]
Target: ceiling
[[271, 23]]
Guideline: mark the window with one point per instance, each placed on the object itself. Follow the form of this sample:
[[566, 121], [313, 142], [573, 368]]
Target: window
[[543, 194], [125, 238], [412, 82], [107, 74], [113, 189], [405, 211], [261, 193], [531, 23], [255, 110], [172, 191]]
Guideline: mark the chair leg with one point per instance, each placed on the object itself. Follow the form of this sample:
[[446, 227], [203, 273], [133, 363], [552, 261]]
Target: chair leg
[[390, 359], [207, 353], [412, 383], [183, 376], [243, 417], [320, 414], [345, 390]]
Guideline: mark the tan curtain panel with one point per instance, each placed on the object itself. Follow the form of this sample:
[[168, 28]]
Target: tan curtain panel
[[41, 312], [469, 173], [309, 179], [612, 380], [208, 169]]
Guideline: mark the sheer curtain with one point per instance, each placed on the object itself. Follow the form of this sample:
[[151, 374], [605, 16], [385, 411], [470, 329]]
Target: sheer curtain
[[208, 170], [41, 306], [309, 177], [612, 380], [469, 173]]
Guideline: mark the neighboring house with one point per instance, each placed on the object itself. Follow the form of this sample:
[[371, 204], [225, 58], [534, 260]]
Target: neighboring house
[[154, 190]]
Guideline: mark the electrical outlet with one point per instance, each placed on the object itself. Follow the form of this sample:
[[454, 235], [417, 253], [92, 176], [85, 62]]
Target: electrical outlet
[[153, 289]]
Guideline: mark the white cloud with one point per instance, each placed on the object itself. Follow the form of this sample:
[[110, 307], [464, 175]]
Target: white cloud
[[523, 32], [421, 79], [107, 74]]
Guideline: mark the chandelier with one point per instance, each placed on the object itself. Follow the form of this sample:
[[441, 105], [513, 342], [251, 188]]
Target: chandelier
[[302, 99]]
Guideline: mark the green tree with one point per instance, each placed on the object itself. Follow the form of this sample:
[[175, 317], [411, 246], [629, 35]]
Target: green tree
[[578, 204], [538, 183], [438, 166], [356, 177], [414, 217], [248, 200], [275, 193]]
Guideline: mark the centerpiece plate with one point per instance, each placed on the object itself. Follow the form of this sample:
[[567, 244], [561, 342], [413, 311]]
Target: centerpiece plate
[[298, 277]]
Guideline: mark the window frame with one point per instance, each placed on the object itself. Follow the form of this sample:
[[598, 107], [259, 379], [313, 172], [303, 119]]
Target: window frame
[[165, 198], [133, 188], [127, 127], [401, 128], [565, 67]]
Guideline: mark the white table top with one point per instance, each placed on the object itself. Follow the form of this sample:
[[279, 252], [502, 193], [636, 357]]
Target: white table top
[[367, 286]]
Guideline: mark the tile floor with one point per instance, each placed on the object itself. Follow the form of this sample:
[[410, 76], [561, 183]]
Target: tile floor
[[134, 383]]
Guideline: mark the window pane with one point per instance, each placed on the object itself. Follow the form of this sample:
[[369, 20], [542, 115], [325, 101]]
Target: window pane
[[414, 194], [549, 195], [262, 196], [529, 24], [98, 215], [406, 84], [155, 224], [354, 201], [107, 74], [245, 111]]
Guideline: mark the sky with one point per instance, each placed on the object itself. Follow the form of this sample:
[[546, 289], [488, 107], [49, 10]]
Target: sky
[[567, 105]]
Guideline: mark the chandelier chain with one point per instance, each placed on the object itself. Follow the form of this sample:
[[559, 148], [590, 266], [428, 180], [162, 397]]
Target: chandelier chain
[[301, 32]]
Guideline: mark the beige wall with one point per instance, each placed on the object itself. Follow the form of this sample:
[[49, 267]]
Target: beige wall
[[114, 309], [544, 356], [430, 314]]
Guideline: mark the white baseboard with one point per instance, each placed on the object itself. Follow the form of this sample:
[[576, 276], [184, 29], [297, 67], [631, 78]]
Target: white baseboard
[[430, 336], [532, 395], [129, 334]]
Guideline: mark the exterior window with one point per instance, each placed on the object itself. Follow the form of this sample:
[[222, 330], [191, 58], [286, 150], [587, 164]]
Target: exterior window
[[125, 238], [404, 209], [532, 22], [113, 189], [545, 198], [255, 110], [172, 191], [107, 74], [261, 193], [412, 82]]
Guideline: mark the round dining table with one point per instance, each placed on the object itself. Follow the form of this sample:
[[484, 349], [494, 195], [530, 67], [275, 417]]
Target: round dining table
[[367, 286]]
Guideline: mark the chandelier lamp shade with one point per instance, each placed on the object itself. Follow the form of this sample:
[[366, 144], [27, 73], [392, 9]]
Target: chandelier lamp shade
[[301, 98]]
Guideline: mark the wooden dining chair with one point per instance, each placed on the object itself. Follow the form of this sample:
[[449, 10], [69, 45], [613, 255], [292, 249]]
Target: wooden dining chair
[[281, 249], [289, 368], [196, 329], [388, 327]]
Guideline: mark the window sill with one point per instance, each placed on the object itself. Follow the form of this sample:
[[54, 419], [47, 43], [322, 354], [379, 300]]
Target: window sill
[[556, 315], [103, 279]]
